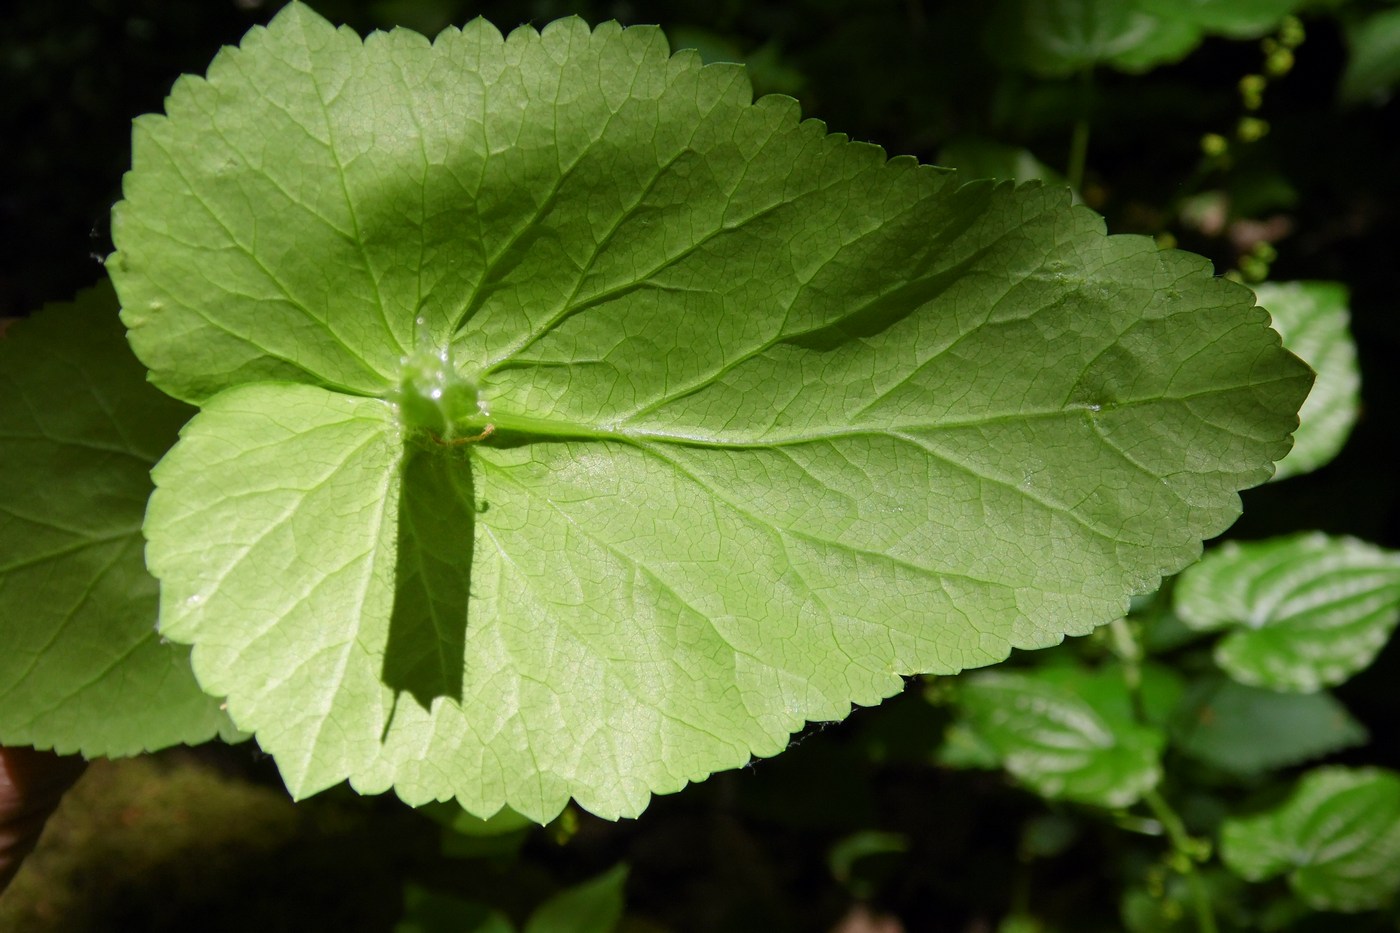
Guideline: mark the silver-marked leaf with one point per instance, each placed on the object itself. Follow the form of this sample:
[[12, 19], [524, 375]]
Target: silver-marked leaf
[[1337, 838], [1249, 730], [81, 666], [1068, 733], [577, 426], [1301, 612], [1313, 319]]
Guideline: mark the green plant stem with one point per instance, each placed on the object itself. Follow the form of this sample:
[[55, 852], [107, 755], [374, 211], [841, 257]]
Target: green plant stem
[[1079, 140], [1184, 846], [1128, 649]]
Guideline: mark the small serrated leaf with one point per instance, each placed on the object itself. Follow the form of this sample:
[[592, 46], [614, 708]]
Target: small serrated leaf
[[1337, 838], [1066, 734], [1313, 319], [1301, 612], [1248, 730]]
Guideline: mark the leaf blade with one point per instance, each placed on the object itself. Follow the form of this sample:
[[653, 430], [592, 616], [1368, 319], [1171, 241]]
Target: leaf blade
[[83, 669]]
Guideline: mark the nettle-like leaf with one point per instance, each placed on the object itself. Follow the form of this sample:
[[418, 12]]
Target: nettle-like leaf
[[1054, 38], [573, 424], [1337, 838], [1068, 733], [81, 666], [1313, 319], [1249, 730], [1302, 612]]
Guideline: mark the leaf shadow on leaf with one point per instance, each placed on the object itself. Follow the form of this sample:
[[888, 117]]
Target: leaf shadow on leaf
[[425, 654]]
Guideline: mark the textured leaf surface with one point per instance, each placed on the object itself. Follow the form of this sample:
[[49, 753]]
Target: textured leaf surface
[[81, 666], [1068, 733], [1313, 319], [1337, 838], [1302, 612], [1248, 730], [773, 420]]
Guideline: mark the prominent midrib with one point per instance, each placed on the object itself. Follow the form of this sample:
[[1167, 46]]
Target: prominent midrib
[[510, 426]]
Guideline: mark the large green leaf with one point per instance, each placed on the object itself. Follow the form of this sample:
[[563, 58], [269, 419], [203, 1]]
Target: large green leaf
[[1337, 837], [632, 423], [1248, 730], [1313, 319], [1302, 612], [1069, 733], [81, 666]]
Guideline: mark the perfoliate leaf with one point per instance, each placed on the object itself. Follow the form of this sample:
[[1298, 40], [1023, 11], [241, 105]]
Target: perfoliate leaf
[[1068, 733], [81, 666], [1248, 730], [575, 425], [1302, 612], [1337, 837], [595, 906], [1313, 318]]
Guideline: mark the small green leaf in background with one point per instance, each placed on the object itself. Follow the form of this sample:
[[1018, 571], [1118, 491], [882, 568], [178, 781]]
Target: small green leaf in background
[[1068, 733], [1373, 62], [81, 666], [975, 157], [1313, 319], [1301, 612], [595, 906], [1239, 19], [875, 848], [1337, 838], [1055, 38], [465, 835], [430, 912], [1249, 730]]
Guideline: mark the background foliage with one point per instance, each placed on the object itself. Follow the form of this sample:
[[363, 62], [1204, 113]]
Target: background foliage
[[1237, 140]]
